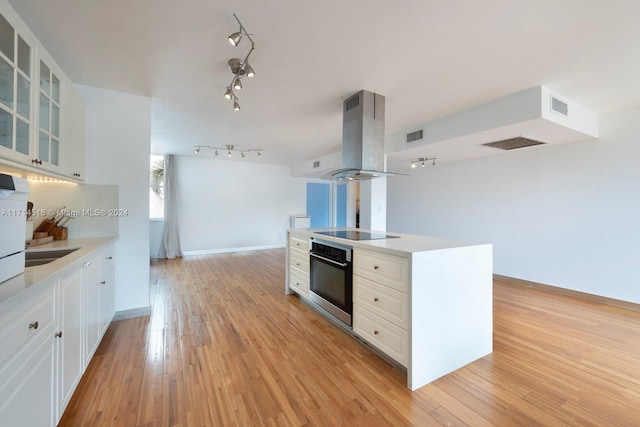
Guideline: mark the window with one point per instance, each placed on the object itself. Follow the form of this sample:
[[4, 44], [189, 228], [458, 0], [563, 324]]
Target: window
[[156, 187]]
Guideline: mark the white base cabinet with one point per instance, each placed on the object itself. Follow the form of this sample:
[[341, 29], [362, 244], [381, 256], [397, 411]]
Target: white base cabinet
[[424, 302], [26, 362], [48, 338], [68, 339]]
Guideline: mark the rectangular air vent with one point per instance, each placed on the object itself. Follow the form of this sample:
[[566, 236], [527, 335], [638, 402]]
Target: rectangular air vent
[[414, 136], [559, 107], [352, 102], [316, 164], [513, 143]]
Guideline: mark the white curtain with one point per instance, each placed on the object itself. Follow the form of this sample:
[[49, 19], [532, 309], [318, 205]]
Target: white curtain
[[170, 244]]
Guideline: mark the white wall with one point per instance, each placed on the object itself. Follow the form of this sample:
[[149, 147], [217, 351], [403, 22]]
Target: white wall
[[567, 215], [228, 205], [119, 134], [77, 199]]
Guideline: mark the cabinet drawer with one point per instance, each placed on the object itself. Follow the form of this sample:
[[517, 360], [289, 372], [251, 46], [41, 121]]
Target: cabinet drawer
[[107, 259], [385, 336], [34, 316], [299, 261], [390, 270], [388, 303], [299, 283], [298, 242]]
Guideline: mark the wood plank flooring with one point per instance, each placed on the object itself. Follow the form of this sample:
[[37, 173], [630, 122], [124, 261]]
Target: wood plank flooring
[[225, 347]]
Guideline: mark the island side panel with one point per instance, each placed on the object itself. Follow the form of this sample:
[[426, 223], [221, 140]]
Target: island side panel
[[451, 313], [287, 291]]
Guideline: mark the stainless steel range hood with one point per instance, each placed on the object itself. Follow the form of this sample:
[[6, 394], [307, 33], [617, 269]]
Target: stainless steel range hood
[[362, 138]]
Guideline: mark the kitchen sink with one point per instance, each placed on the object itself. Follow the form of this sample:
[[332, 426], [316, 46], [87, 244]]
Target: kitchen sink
[[44, 257]]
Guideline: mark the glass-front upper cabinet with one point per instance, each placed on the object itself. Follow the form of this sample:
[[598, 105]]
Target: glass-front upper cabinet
[[49, 116], [15, 94]]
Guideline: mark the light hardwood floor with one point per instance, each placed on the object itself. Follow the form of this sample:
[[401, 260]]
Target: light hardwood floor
[[224, 347]]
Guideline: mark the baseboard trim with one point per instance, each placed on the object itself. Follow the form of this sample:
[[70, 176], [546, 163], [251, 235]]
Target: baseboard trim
[[568, 292], [228, 250], [133, 312]]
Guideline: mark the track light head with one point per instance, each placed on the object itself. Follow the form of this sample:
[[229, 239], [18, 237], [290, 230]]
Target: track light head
[[229, 154], [216, 153], [237, 84], [197, 150], [242, 154], [413, 165], [229, 93], [236, 106], [235, 38], [259, 154], [248, 69]]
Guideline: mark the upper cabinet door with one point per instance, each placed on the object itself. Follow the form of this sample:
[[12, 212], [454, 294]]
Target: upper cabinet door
[[16, 82], [49, 142]]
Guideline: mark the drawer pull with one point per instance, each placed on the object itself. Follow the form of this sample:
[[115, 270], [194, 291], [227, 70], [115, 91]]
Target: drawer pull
[[376, 299], [103, 282], [58, 334], [33, 325], [297, 263], [109, 257], [375, 267], [375, 332]]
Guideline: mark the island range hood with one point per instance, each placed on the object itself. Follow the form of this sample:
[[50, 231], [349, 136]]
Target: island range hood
[[362, 138]]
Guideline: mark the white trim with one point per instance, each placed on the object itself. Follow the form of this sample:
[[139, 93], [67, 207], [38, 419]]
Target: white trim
[[227, 250], [131, 313]]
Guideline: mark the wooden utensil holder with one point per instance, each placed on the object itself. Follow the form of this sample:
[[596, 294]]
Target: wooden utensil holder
[[59, 233]]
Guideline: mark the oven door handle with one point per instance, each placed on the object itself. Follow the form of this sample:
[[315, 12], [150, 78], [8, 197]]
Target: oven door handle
[[329, 260]]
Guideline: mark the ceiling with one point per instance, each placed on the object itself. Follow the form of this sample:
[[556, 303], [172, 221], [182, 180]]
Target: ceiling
[[428, 58]]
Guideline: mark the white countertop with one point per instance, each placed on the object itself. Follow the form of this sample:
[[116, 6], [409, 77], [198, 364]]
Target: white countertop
[[404, 244], [16, 289]]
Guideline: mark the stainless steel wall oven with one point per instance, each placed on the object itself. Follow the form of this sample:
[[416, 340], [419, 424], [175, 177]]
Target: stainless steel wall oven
[[331, 278]]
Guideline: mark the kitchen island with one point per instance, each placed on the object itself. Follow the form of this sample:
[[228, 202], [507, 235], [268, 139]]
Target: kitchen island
[[426, 303]]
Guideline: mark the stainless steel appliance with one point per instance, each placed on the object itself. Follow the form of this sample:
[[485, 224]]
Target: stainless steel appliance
[[13, 219], [362, 138], [331, 278]]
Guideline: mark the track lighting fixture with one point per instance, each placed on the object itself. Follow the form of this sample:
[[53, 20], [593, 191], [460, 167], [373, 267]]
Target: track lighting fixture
[[239, 68], [235, 38], [422, 161], [230, 150]]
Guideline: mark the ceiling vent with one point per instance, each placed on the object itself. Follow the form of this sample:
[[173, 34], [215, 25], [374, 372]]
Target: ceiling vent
[[513, 143], [559, 107], [414, 136]]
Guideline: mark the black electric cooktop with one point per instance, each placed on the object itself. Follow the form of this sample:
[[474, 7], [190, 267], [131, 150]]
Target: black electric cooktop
[[356, 235]]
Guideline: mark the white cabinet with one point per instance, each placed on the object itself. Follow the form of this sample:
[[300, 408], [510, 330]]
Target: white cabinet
[[68, 341], [98, 282], [26, 361], [47, 340], [381, 303], [298, 261], [74, 134], [17, 89], [107, 284], [42, 117], [92, 307]]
